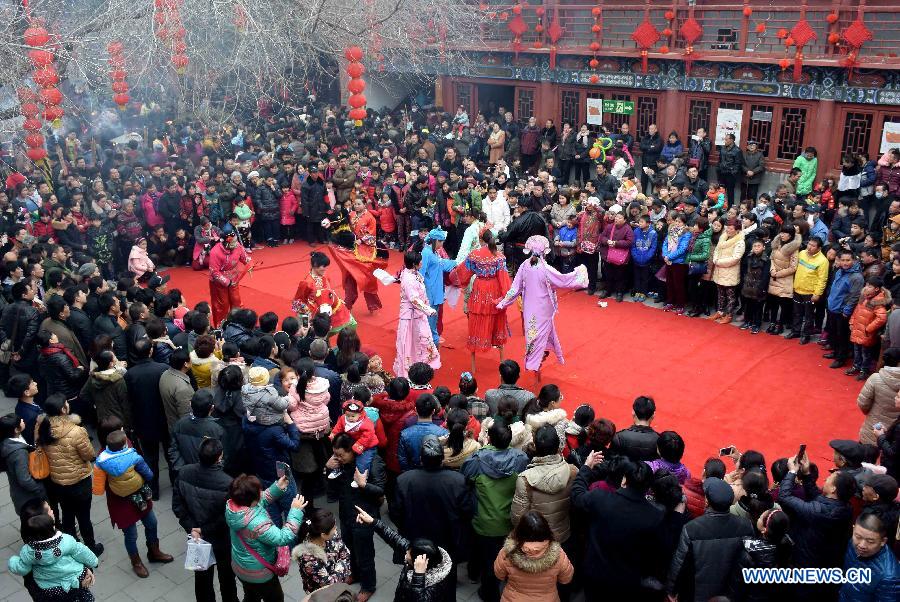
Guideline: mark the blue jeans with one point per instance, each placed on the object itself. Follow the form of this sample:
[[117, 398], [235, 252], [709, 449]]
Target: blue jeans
[[149, 532], [279, 509], [432, 323], [364, 460], [863, 357], [270, 229]]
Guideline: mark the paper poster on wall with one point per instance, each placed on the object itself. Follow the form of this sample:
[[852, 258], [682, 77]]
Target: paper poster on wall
[[728, 121], [890, 136], [595, 111]]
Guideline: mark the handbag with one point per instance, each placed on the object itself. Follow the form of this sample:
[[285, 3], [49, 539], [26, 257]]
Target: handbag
[[616, 255], [282, 559], [661, 274], [588, 247], [38, 463], [696, 268]]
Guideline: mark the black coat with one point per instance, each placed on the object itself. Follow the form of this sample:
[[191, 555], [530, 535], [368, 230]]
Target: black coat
[[23, 335], [81, 324], [146, 405], [651, 149], [368, 498], [435, 505], [266, 203], [187, 435], [437, 584], [623, 540], [198, 500], [135, 332], [637, 442], [170, 209], [710, 547], [820, 527], [106, 324], [60, 374], [731, 160], [312, 199]]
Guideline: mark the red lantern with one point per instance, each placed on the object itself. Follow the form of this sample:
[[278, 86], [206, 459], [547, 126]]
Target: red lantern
[[32, 125], [517, 9], [120, 87], [354, 54], [357, 101], [357, 114], [51, 97], [117, 75], [40, 58], [36, 36], [782, 33], [355, 70], [748, 11], [784, 64], [34, 140], [832, 18], [121, 100], [666, 32], [46, 77], [833, 38], [115, 48], [760, 28], [539, 11], [593, 63], [789, 41], [160, 17], [596, 11], [36, 154], [30, 110], [179, 47], [596, 28], [53, 113], [670, 16], [180, 61], [664, 49], [179, 33], [116, 62], [538, 44], [356, 86], [594, 46], [26, 94], [594, 78], [162, 33], [539, 28]]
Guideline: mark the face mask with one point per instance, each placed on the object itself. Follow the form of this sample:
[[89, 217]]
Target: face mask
[[879, 195], [762, 206]]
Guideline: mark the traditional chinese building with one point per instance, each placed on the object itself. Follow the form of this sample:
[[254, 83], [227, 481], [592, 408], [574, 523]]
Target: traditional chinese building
[[790, 75]]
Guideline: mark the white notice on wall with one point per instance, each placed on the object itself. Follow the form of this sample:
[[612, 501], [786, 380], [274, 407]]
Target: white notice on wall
[[728, 121]]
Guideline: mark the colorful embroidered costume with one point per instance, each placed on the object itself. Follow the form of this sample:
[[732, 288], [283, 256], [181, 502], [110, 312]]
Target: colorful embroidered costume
[[487, 324], [414, 342], [314, 295], [358, 264]]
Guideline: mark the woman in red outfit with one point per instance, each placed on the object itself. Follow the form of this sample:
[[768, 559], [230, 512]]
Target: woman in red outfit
[[487, 324], [315, 294], [357, 266]]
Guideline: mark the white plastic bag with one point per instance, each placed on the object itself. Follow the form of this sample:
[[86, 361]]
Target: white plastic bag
[[199, 556]]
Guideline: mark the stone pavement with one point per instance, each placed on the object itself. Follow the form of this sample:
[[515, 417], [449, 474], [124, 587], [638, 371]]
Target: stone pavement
[[170, 582]]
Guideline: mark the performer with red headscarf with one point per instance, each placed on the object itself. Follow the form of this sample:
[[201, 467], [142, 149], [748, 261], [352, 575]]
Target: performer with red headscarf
[[358, 264], [227, 261]]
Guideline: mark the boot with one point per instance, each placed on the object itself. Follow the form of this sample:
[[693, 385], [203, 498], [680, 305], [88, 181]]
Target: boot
[[716, 316], [154, 554], [138, 567]]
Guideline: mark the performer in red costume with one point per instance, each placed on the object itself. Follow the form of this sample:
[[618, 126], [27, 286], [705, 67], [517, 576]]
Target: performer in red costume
[[227, 261], [358, 264], [315, 295]]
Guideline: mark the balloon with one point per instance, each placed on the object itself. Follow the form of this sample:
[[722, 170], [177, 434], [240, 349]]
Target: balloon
[[356, 86], [354, 54], [357, 101], [603, 145], [36, 36], [46, 77], [595, 152], [355, 70], [36, 154], [51, 96], [34, 140], [32, 125], [30, 110]]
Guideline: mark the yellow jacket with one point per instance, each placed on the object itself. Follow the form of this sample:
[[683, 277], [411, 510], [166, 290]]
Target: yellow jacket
[[812, 274]]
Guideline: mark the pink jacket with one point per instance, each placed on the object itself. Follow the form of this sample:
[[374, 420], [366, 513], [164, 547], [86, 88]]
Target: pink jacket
[[888, 174], [289, 205], [138, 262], [148, 205], [311, 414]]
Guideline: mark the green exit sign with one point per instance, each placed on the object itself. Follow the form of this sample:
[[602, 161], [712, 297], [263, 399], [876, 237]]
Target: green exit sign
[[620, 107]]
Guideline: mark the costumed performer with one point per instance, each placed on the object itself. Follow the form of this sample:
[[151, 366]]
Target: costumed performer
[[487, 322], [536, 282], [471, 238], [316, 295], [433, 269], [358, 264], [525, 224], [414, 342], [226, 261], [206, 235]]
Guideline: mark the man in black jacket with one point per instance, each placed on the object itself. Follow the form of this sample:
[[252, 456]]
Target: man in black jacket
[[138, 312], [710, 547], [79, 321], [170, 208], [623, 544], [267, 206], [19, 323], [108, 323], [731, 163], [198, 500], [312, 199], [365, 491], [638, 441], [142, 380], [435, 503], [651, 148], [192, 430]]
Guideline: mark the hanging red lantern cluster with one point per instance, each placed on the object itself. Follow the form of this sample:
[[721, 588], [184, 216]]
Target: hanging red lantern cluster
[[539, 27], [691, 31], [517, 27], [801, 35], [119, 85], [32, 125], [356, 86], [645, 36], [46, 77], [855, 35], [171, 31], [594, 46]]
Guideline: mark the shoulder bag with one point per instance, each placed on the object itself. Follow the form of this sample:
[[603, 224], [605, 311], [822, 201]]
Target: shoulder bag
[[38, 463], [282, 559], [616, 255]]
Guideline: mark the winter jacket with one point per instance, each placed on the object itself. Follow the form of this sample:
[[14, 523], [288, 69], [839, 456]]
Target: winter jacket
[[555, 418], [265, 406], [175, 392], [289, 206], [885, 577], [106, 391], [437, 584], [755, 162], [266, 203], [198, 497], [783, 266], [808, 169], [71, 452], [254, 525], [57, 562], [148, 206], [202, 369], [644, 249], [322, 566], [23, 335], [187, 435], [845, 289], [60, 374], [731, 160], [139, 263], [437, 505], [125, 471], [310, 414], [756, 277], [148, 414], [637, 442], [237, 334], [269, 444], [759, 553], [410, 445], [727, 259], [521, 435], [108, 325], [876, 401], [700, 150], [546, 486], [81, 326], [393, 414], [889, 174], [671, 151], [66, 337], [840, 226], [312, 199], [700, 246], [711, 545], [622, 236], [678, 254], [869, 318], [22, 486], [820, 527], [812, 273], [651, 149], [532, 579], [494, 473]]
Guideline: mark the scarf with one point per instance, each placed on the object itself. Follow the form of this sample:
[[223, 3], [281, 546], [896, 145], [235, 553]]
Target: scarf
[[673, 235], [59, 348]]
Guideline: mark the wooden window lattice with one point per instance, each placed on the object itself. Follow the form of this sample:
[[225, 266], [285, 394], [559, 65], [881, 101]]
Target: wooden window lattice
[[760, 130], [524, 105], [790, 138], [700, 116], [645, 107], [464, 97], [570, 102], [857, 132]]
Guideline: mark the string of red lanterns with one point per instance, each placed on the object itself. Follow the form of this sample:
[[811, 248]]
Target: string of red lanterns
[[356, 86], [46, 77], [170, 30], [118, 74]]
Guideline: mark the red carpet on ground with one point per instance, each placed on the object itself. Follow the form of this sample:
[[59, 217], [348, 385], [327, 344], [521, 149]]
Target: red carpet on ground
[[715, 385]]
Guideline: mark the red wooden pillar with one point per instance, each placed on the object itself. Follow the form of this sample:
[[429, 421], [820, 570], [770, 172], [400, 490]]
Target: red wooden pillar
[[823, 134], [545, 107], [673, 115]]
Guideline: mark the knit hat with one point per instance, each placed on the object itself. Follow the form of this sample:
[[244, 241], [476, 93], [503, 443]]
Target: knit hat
[[87, 270], [718, 492], [259, 376]]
